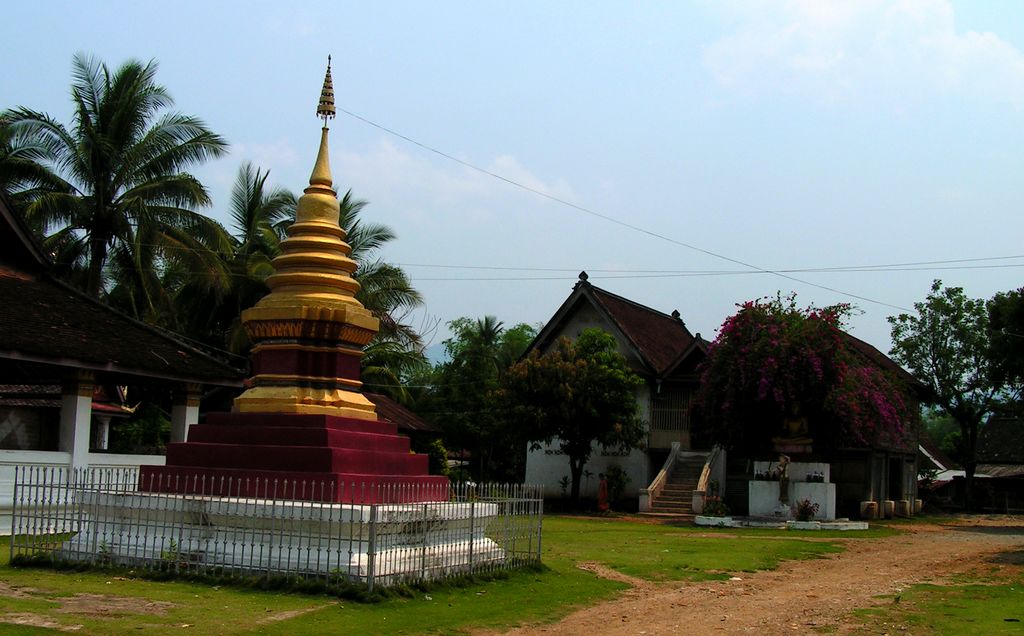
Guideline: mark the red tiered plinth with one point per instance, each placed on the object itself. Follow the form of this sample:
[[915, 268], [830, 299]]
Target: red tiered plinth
[[296, 456]]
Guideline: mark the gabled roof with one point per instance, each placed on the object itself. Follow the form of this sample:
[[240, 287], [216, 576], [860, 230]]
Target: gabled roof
[[18, 246], [661, 341], [406, 420], [886, 364], [933, 454], [43, 320]]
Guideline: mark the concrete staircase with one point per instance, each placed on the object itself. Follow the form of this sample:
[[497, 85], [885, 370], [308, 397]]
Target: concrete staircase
[[676, 498]]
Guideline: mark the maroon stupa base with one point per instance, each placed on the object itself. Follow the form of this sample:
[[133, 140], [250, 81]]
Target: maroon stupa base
[[292, 456]]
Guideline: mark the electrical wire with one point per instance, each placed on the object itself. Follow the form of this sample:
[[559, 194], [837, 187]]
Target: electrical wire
[[611, 219]]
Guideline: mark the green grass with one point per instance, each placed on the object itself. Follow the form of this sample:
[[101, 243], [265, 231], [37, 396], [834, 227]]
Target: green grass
[[657, 552], [957, 609], [654, 552]]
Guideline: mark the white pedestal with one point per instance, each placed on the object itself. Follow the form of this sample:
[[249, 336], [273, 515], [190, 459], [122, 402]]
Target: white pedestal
[[763, 498], [413, 541]]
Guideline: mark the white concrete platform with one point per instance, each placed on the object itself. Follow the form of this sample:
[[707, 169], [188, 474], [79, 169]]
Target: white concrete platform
[[393, 542], [781, 524]]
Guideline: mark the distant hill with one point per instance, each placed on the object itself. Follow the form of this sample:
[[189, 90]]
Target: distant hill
[[435, 354]]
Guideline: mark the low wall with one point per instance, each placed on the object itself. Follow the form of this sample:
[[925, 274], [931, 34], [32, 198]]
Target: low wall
[[10, 459]]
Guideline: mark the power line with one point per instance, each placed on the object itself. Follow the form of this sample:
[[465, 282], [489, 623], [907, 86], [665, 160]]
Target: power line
[[673, 271], [611, 219], [609, 273]]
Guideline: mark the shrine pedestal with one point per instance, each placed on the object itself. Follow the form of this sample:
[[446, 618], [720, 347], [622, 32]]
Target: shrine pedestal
[[763, 496]]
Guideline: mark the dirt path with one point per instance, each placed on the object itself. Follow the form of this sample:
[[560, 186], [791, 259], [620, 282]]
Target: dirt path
[[803, 594]]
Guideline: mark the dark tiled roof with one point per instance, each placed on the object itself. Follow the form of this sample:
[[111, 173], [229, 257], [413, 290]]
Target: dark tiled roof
[[1001, 441], [391, 411], [940, 459], [44, 320], [659, 338], [885, 363]]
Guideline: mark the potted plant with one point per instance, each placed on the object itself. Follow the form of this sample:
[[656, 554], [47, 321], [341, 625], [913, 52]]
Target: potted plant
[[804, 511], [714, 512]]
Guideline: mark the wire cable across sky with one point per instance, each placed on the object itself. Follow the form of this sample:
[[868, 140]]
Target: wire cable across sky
[[612, 219]]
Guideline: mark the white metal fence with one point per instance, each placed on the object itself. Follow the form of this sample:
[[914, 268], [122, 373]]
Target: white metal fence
[[416, 533]]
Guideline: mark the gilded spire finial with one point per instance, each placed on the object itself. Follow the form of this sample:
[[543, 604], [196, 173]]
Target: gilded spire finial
[[326, 108]]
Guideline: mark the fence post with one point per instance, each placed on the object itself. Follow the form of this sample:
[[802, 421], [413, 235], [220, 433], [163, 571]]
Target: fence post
[[472, 530], [14, 509], [423, 548], [371, 548], [540, 519]]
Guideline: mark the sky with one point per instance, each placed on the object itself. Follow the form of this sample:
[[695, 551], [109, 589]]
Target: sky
[[679, 152]]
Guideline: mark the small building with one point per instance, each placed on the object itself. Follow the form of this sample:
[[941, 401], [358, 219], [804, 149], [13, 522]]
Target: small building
[[1000, 457], [660, 349]]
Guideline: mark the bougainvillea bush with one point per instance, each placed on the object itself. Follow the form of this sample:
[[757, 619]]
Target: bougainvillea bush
[[773, 358]]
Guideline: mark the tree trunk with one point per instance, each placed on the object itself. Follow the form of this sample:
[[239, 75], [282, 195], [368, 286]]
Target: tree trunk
[[576, 472], [969, 432], [97, 257]]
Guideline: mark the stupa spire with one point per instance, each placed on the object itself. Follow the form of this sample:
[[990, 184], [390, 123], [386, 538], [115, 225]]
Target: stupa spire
[[308, 332], [325, 109]]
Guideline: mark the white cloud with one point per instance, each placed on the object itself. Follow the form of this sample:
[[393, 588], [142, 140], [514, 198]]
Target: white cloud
[[387, 174], [281, 154], [842, 49]]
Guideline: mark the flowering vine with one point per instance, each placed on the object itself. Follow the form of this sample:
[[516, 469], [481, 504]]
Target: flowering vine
[[772, 357]]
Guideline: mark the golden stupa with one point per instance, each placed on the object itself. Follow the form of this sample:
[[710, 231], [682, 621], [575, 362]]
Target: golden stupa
[[309, 331]]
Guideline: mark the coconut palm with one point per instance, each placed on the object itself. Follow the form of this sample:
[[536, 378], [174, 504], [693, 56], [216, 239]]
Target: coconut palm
[[23, 176], [385, 289], [396, 352], [211, 295], [121, 167]]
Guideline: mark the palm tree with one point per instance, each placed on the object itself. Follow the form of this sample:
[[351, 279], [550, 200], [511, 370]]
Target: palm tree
[[23, 177], [120, 167], [212, 295], [396, 352]]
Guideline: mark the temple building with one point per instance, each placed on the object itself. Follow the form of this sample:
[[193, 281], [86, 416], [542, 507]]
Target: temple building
[[62, 356]]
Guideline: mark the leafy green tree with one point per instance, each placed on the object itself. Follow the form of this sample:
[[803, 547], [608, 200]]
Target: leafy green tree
[[1006, 342], [773, 359], [577, 395], [944, 431], [463, 402], [946, 346], [121, 167]]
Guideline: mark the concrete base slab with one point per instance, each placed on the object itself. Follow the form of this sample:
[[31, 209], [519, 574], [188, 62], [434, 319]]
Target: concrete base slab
[[388, 542], [781, 524]]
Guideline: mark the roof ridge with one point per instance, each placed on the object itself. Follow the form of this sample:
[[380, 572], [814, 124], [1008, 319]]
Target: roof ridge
[[635, 303]]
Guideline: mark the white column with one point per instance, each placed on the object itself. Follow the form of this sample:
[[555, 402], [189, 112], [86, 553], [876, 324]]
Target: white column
[[102, 432], [185, 411], [75, 417]]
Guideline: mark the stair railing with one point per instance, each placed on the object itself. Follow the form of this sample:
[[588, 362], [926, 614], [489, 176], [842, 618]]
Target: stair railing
[[712, 467], [649, 494]]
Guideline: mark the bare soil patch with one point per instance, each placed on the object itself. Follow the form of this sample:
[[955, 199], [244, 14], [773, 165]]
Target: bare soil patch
[[35, 620], [93, 605], [807, 595], [277, 617], [102, 605]]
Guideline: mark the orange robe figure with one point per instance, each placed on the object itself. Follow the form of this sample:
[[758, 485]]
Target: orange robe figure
[[602, 495]]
